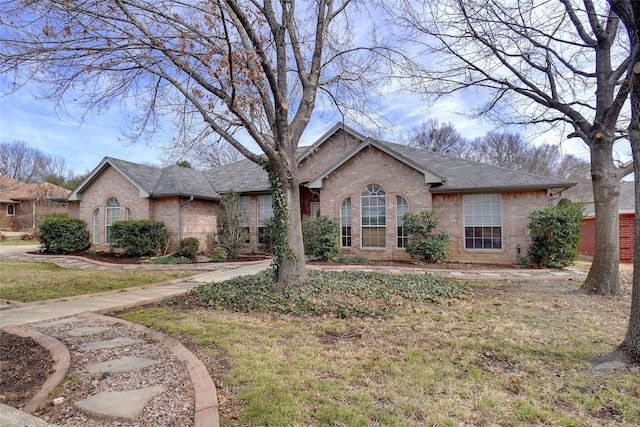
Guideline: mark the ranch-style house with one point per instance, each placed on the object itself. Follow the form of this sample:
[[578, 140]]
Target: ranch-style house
[[366, 183]]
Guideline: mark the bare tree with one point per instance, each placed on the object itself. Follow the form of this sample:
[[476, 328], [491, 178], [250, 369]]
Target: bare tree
[[226, 67], [629, 12], [550, 63], [504, 149], [440, 137], [509, 150], [27, 164]]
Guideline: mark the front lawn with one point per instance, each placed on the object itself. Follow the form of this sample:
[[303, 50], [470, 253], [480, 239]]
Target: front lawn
[[36, 281], [18, 242], [508, 353]]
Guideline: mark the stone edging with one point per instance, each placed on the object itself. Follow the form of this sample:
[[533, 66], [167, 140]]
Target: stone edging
[[61, 363], [206, 397]]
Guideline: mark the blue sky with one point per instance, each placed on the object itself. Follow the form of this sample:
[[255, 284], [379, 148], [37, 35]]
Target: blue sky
[[84, 141]]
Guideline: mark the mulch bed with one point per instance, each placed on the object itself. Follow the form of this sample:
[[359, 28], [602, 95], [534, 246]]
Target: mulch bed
[[24, 367]]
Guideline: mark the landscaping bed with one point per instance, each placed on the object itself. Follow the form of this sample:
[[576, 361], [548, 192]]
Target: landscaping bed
[[24, 367]]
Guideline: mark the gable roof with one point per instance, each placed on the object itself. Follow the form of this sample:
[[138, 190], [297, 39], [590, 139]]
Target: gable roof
[[429, 176], [13, 191], [307, 151], [152, 181]]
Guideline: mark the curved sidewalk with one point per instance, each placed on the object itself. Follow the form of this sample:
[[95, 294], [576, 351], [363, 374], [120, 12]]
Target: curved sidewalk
[[25, 319]]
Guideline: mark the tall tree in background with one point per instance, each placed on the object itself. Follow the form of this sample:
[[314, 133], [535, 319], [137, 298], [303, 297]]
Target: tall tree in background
[[629, 13], [243, 70], [552, 63], [439, 137], [508, 150], [21, 162]]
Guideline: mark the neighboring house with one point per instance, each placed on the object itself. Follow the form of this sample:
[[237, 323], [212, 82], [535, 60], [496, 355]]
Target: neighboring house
[[626, 216], [23, 204], [366, 183]]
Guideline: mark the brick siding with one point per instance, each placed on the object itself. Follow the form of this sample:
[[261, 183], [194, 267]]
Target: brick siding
[[587, 243], [327, 154]]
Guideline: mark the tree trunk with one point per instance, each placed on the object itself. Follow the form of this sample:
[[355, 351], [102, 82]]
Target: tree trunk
[[631, 343], [604, 275], [292, 269]]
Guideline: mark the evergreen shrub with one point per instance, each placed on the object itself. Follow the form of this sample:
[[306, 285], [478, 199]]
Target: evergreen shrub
[[139, 237], [555, 233], [188, 248], [61, 234], [321, 237], [424, 241]]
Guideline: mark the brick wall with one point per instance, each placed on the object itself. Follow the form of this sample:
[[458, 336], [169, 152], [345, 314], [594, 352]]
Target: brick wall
[[327, 154], [372, 166], [516, 207], [587, 243], [198, 218], [627, 234], [587, 236], [109, 184]]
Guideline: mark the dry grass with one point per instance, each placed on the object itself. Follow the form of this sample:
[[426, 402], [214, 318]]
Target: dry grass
[[514, 354], [37, 281]]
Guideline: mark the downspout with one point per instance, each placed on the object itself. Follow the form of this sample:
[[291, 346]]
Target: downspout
[[182, 205]]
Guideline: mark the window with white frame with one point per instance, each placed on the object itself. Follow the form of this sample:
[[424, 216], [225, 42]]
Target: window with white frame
[[112, 214], [11, 210], [128, 213], [482, 221], [245, 208], [265, 211], [374, 216], [96, 226], [402, 207], [345, 223]]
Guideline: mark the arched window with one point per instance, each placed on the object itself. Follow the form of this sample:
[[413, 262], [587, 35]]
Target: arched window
[[128, 213], [345, 223], [11, 210], [112, 214], [374, 216], [96, 226], [402, 207]]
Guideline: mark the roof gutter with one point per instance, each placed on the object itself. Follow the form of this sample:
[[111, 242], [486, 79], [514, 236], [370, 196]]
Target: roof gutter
[[180, 221]]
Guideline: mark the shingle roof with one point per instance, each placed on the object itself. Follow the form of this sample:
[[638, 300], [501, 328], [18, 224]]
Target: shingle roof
[[626, 203], [445, 173], [462, 175], [12, 190], [180, 181], [243, 176]]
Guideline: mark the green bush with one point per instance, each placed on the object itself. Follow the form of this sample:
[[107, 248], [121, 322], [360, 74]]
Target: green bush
[[232, 231], [188, 248], [424, 241], [219, 254], [555, 233], [139, 237], [320, 236], [171, 260], [62, 235]]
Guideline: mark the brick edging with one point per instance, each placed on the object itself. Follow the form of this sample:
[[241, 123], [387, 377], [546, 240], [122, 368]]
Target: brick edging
[[61, 363], [206, 397]]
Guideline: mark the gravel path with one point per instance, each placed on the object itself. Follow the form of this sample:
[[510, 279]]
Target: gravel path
[[175, 406]]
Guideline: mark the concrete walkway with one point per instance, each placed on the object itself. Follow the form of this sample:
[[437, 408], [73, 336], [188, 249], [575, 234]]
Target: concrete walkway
[[34, 316], [28, 319]]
